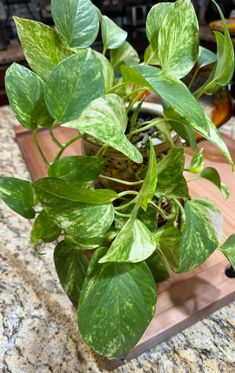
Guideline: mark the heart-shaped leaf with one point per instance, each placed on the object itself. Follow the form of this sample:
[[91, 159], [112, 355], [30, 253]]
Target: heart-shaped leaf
[[133, 244], [76, 168], [42, 46], [76, 20], [25, 91], [71, 266], [125, 54], [68, 90], [228, 249], [212, 175], [18, 195], [178, 39], [44, 229], [112, 35], [105, 119], [116, 305], [206, 57], [52, 190]]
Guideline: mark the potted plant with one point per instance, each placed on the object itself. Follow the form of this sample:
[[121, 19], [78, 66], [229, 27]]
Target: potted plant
[[113, 247]]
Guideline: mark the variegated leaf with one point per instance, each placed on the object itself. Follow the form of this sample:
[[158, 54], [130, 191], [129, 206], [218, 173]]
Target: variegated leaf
[[107, 70], [154, 21], [151, 57], [25, 91], [117, 303], [112, 35], [105, 119], [133, 244], [76, 20], [68, 90], [228, 249], [42, 46], [206, 57], [44, 229], [158, 268], [125, 54], [178, 39]]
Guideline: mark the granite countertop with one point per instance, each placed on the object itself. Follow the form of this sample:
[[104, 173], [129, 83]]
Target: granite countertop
[[38, 331]]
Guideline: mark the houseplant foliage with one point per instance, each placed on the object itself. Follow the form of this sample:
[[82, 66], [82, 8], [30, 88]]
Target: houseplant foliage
[[153, 225]]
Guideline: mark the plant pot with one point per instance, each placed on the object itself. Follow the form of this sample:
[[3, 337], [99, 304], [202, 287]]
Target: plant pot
[[118, 165]]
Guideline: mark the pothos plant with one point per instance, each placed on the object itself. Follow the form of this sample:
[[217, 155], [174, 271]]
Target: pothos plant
[[134, 237]]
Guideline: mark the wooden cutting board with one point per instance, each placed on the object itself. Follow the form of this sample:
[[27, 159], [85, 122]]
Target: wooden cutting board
[[185, 298]]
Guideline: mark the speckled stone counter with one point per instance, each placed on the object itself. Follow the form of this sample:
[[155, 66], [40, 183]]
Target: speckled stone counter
[[38, 332]]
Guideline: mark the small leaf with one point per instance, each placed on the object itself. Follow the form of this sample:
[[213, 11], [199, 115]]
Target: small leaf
[[199, 239], [68, 90], [151, 57], [125, 54], [212, 175], [77, 168], [107, 70], [112, 35], [228, 249], [54, 190], [197, 162], [44, 229], [206, 57], [105, 119], [158, 268], [25, 91], [18, 195], [116, 305], [133, 244], [71, 266], [42, 46], [178, 39], [76, 20]]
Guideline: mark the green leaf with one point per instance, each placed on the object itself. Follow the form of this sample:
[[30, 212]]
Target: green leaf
[[148, 217], [228, 249], [77, 168], [180, 191], [117, 303], [199, 239], [197, 162], [105, 119], [178, 39], [18, 195], [167, 240], [107, 70], [89, 243], [71, 266], [158, 268], [42, 46], [172, 91], [112, 35], [68, 90], [212, 175], [184, 131], [44, 229], [125, 54], [25, 91], [133, 244], [76, 20], [206, 57], [151, 57], [154, 21], [55, 190]]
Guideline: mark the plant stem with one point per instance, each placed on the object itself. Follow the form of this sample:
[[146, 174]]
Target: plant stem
[[35, 137], [125, 205], [126, 193], [54, 139], [182, 212], [117, 86], [138, 130], [194, 77], [121, 181], [133, 101], [102, 151], [161, 211], [66, 145], [135, 91], [122, 215]]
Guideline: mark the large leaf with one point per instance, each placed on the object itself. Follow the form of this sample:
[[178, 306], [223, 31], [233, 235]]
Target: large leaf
[[206, 57], [18, 195], [228, 249], [54, 190], [44, 229], [154, 21], [199, 239], [112, 35], [116, 305], [172, 91], [71, 266], [42, 46], [133, 244], [76, 168], [68, 89], [178, 39], [107, 70], [76, 20], [105, 119], [125, 54], [25, 91]]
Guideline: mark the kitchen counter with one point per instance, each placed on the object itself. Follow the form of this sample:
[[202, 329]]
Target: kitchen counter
[[38, 331]]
